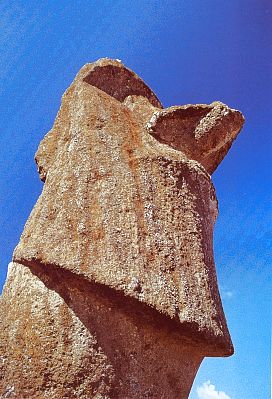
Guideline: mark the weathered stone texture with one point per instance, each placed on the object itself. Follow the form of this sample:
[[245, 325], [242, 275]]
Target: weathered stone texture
[[113, 291], [49, 352], [80, 340]]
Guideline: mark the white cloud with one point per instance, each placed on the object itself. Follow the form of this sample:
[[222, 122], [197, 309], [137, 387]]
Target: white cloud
[[208, 391], [226, 293]]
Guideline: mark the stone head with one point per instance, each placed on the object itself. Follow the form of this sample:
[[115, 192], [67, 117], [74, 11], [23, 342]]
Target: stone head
[[128, 200]]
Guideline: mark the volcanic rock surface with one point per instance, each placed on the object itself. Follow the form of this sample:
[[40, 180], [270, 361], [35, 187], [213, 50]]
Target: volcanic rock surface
[[112, 292]]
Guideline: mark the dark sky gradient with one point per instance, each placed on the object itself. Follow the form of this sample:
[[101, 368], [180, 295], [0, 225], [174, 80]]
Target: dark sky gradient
[[188, 52]]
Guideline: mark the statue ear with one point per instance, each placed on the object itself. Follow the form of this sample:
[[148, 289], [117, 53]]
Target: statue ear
[[202, 132], [115, 79]]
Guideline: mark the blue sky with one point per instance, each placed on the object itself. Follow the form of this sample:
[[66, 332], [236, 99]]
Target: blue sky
[[188, 52]]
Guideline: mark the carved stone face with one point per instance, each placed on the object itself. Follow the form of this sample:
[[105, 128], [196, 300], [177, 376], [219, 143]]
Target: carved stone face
[[128, 201]]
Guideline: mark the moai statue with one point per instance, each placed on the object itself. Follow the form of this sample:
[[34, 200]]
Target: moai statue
[[112, 292]]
